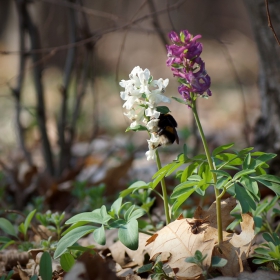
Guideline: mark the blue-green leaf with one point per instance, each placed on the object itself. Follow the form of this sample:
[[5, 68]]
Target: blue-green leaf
[[163, 109], [70, 238], [271, 185], [45, 268], [99, 216], [116, 206], [128, 234], [99, 235], [245, 199], [218, 262], [250, 184], [67, 261]]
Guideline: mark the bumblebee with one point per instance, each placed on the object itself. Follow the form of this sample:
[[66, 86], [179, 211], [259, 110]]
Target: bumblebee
[[167, 130]]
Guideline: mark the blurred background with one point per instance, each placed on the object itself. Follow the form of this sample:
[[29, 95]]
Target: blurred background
[[60, 65]]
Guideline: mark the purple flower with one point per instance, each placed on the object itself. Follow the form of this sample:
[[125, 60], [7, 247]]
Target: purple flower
[[185, 62], [185, 92]]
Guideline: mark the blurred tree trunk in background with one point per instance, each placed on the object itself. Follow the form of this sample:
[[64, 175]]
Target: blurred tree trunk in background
[[267, 128]]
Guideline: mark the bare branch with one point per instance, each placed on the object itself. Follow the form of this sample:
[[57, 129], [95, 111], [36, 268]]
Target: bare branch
[[156, 23], [270, 22], [96, 35]]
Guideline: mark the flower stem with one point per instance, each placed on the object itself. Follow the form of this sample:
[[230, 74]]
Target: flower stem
[[164, 191], [212, 167]]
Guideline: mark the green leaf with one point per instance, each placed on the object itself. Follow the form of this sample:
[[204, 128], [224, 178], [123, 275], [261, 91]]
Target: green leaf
[[67, 261], [181, 199], [138, 127], [183, 188], [180, 100], [158, 179], [82, 248], [145, 268], [34, 277], [258, 221], [7, 227], [221, 149], [28, 221], [245, 151], [271, 185], [137, 213], [128, 212], [250, 184], [221, 173], [173, 168], [79, 224], [188, 171], [128, 234], [218, 262], [99, 216], [45, 268], [6, 244], [242, 173], [221, 182], [99, 235], [70, 238], [261, 261], [245, 199], [163, 109], [229, 159], [116, 206], [270, 178], [247, 161]]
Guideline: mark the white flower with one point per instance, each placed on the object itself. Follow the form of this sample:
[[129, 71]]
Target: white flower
[[136, 115], [161, 84], [152, 125], [152, 113], [153, 144], [151, 154]]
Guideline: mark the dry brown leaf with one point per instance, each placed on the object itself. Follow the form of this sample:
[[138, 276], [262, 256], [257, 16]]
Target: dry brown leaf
[[91, 267], [226, 207], [177, 239], [118, 251], [235, 248]]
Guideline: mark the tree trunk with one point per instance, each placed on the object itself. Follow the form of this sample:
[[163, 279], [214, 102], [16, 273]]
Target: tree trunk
[[267, 129]]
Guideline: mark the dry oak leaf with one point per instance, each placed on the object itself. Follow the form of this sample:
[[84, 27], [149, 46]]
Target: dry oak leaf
[[177, 239], [118, 251], [235, 248]]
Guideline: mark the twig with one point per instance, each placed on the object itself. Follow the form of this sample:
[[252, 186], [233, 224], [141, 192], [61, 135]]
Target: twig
[[270, 22], [80, 8], [96, 35], [37, 73], [124, 40], [156, 23]]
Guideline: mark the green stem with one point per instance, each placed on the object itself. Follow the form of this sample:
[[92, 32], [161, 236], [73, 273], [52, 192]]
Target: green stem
[[164, 191], [212, 167]]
